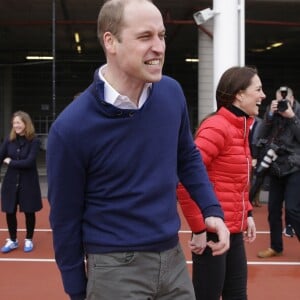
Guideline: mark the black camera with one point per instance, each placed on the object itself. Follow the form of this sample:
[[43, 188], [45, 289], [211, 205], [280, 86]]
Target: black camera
[[283, 103], [269, 157]]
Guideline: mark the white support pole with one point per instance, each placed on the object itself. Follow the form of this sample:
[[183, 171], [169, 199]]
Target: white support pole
[[226, 49], [205, 72], [228, 36], [241, 33]]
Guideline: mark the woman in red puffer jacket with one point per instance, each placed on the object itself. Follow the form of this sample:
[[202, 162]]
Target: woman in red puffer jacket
[[222, 139]]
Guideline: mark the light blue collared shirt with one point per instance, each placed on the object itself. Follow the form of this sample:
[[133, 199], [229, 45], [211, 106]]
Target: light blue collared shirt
[[113, 97]]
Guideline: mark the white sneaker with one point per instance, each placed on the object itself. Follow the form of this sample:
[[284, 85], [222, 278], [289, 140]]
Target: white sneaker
[[9, 246], [28, 246], [289, 231]]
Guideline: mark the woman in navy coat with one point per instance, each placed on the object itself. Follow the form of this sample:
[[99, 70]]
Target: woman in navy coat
[[20, 186]]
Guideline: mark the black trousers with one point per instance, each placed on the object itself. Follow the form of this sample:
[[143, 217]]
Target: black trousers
[[12, 225], [286, 189], [222, 275]]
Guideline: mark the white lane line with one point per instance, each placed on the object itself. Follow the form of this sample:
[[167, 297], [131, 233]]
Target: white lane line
[[267, 263], [35, 230], [27, 260], [274, 263], [189, 262], [180, 231], [257, 232]]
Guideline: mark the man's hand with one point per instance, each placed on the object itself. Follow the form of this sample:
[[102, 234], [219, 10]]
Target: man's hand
[[198, 242], [217, 225]]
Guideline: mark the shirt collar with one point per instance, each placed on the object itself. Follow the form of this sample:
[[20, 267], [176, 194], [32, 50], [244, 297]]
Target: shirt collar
[[111, 96]]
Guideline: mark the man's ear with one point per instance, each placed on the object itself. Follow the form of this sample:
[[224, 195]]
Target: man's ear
[[109, 41]]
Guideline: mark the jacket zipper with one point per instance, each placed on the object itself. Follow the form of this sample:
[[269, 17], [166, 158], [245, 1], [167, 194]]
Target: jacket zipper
[[248, 176]]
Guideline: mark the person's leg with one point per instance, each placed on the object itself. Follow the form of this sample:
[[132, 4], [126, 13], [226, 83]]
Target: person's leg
[[286, 219], [275, 203], [209, 273], [288, 230], [139, 275], [175, 281], [12, 242], [30, 225], [12, 224], [235, 286], [292, 201]]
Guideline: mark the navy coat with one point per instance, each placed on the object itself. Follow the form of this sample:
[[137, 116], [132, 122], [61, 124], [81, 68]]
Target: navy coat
[[20, 184]]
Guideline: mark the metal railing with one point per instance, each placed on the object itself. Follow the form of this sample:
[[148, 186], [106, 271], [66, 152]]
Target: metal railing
[[42, 125]]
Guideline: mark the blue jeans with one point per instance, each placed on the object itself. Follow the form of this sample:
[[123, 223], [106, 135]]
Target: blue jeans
[[139, 276], [223, 275], [286, 189]]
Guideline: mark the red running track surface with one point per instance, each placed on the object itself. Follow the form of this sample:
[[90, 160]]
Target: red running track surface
[[34, 276]]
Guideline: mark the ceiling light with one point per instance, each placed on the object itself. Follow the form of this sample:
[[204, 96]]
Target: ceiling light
[[275, 45], [270, 47], [36, 57], [78, 47], [191, 60], [77, 37], [257, 50]]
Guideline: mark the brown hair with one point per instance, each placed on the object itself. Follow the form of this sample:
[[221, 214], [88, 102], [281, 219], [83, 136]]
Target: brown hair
[[232, 81], [29, 127], [110, 18]]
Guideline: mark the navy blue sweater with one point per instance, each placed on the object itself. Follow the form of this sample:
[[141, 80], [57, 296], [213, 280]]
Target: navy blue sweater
[[112, 176]]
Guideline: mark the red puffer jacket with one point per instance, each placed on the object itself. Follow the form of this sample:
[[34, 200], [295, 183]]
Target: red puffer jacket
[[223, 142]]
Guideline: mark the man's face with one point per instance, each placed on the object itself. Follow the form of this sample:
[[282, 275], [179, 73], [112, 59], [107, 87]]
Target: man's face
[[141, 49]]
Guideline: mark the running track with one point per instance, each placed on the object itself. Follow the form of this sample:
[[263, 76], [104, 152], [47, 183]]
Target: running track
[[34, 276]]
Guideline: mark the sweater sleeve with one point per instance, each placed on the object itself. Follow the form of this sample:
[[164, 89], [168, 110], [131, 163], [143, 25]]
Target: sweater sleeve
[[190, 210], [66, 178]]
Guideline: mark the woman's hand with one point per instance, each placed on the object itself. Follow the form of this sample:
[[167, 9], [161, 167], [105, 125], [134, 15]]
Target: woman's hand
[[250, 234], [198, 243]]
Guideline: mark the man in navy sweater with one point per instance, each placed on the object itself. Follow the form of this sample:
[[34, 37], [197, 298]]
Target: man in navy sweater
[[114, 158]]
